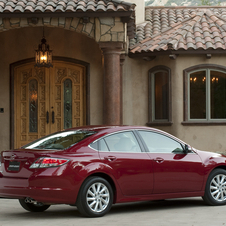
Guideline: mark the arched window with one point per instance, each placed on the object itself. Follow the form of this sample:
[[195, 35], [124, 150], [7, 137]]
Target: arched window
[[159, 96], [205, 94]]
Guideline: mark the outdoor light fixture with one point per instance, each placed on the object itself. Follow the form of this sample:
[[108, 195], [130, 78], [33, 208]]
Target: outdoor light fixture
[[43, 56]]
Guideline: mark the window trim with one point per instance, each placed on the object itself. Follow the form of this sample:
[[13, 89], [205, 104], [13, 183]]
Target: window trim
[[151, 96], [186, 99]]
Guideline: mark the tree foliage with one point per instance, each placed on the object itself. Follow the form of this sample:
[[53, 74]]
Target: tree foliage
[[191, 2], [205, 2], [149, 2]]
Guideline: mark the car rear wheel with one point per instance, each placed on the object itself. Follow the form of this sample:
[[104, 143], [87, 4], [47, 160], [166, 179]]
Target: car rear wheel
[[215, 191], [33, 207], [95, 197]]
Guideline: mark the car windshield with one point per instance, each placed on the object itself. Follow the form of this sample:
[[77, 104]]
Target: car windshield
[[60, 140]]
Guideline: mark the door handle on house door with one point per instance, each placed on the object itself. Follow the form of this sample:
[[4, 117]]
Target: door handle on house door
[[53, 117], [47, 117]]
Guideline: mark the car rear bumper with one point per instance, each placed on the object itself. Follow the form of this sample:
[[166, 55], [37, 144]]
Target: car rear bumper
[[19, 188]]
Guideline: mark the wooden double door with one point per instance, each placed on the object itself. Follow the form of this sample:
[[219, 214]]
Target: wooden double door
[[47, 100]]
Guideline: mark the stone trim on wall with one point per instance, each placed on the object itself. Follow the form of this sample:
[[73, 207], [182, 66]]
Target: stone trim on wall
[[109, 29], [104, 29]]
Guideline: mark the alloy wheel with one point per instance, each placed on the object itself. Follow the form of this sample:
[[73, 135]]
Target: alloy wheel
[[98, 197], [218, 188]]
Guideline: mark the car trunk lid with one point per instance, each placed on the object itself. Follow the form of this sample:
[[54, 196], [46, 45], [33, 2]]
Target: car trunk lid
[[17, 163]]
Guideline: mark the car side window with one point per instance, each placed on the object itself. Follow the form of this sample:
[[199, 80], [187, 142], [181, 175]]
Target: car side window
[[123, 142], [158, 143], [102, 146], [94, 145]]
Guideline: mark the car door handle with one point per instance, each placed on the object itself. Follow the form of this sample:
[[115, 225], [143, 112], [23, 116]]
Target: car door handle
[[159, 160], [110, 158]]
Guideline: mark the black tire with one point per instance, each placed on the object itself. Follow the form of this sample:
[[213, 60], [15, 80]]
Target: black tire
[[39, 207], [95, 197], [215, 191]]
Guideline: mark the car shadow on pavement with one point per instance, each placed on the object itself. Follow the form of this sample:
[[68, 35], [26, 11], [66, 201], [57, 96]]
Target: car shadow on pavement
[[69, 212], [157, 205]]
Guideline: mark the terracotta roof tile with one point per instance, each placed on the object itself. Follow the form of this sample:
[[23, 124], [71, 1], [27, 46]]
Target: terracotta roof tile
[[31, 6], [181, 28], [28, 9]]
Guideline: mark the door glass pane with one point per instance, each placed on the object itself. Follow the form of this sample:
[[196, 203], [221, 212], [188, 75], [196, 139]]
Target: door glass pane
[[218, 95], [198, 95], [161, 95], [33, 105], [122, 142], [158, 143], [94, 146], [102, 146], [67, 104]]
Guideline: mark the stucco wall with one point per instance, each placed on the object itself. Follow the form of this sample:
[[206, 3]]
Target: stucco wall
[[20, 44], [135, 100], [140, 10]]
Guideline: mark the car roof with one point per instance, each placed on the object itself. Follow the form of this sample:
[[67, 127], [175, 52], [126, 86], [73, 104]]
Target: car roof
[[112, 128], [102, 130]]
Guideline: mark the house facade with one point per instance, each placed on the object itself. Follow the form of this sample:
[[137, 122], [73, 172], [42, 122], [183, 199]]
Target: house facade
[[114, 62]]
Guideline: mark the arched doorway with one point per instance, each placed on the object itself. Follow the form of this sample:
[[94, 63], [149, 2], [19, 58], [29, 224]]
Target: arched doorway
[[47, 99]]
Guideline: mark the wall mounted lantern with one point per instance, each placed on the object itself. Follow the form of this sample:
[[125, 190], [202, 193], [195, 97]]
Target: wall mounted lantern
[[43, 56]]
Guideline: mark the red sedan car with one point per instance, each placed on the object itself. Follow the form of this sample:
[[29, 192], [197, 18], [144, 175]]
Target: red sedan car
[[94, 167]]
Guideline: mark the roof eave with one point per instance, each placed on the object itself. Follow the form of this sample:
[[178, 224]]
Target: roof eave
[[128, 4], [66, 14], [177, 52]]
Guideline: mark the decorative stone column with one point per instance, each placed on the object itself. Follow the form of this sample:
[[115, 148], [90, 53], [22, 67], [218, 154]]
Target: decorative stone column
[[122, 60], [112, 82]]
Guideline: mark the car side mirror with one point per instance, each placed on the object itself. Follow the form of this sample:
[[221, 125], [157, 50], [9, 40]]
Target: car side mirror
[[186, 149]]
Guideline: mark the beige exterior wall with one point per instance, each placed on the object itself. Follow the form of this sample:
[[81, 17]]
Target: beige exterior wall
[[20, 44], [135, 100], [140, 10]]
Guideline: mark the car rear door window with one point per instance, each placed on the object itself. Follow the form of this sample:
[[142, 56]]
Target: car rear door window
[[122, 142], [103, 146]]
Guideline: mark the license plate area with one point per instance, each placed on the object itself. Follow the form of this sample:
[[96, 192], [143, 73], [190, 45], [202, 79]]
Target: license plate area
[[14, 166]]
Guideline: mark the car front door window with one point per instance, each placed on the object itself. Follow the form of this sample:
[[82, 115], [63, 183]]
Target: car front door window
[[158, 143], [174, 170]]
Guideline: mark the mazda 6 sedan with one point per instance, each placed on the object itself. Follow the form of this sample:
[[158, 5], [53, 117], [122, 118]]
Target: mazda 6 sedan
[[94, 167]]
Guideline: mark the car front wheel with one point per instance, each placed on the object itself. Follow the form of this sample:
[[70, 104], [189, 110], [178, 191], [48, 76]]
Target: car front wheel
[[215, 191], [95, 197], [32, 207]]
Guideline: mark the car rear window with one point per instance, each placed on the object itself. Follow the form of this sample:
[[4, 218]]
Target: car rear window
[[60, 140]]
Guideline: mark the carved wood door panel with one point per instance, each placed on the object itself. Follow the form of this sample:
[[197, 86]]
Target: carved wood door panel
[[47, 100]]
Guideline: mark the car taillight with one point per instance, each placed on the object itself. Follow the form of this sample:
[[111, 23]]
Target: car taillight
[[46, 162]]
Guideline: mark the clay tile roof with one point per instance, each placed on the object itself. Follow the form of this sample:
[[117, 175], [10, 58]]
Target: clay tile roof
[[24, 8], [33, 6], [180, 28]]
